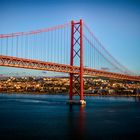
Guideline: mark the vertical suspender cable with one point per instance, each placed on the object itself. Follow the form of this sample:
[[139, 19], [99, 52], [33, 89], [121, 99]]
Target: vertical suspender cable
[[7, 46], [64, 40], [40, 46], [17, 46], [48, 50], [43, 33], [26, 47], [62, 50], [58, 42], [0, 46], [22, 45], [12, 52], [55, 47], [51, 44], [32, 46]]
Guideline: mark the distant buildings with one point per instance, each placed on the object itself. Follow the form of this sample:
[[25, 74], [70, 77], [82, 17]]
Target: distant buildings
[[96, 86]]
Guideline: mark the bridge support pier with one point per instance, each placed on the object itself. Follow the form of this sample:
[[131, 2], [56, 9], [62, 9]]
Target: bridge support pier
[[76, 102], [76, 80]]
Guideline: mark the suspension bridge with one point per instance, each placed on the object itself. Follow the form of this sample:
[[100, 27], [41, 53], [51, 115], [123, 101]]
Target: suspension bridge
[[69, 48]]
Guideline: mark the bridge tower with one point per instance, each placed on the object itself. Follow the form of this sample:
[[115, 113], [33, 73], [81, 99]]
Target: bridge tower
[[76, 54]]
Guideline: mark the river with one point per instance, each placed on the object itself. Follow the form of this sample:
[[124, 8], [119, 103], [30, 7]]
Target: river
[[48, 117]]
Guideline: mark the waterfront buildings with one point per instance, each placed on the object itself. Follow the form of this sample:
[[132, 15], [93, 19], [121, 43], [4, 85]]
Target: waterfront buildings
[[61, 85]]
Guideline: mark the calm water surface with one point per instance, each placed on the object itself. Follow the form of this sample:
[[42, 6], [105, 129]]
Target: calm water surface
[[48, 117]]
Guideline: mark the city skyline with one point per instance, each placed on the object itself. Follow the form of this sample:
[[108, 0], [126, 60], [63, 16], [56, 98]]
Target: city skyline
[[110, 22]]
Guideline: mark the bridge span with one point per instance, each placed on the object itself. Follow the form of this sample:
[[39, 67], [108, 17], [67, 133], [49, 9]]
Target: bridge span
[[69, 48]]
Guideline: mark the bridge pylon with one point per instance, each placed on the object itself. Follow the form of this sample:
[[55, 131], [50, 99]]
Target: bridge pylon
[[76, 57]]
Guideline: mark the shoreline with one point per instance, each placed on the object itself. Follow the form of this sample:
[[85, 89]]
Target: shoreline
[[85, 94]]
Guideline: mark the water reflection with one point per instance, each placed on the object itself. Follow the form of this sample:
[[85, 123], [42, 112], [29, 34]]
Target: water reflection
[[48, 118], [137, 99], [77, 122]]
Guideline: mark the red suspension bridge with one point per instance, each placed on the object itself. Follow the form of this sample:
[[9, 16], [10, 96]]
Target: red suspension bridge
[[70, 48]]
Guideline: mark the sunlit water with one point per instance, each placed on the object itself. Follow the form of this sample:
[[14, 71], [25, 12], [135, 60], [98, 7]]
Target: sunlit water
[[48, 117]]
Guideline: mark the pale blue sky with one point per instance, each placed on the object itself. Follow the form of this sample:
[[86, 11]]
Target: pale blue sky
[[116, 24]]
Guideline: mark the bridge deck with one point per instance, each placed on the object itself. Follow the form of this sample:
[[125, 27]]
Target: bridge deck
[[49, 66]]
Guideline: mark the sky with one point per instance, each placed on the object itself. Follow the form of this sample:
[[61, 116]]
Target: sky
[[115, 23]]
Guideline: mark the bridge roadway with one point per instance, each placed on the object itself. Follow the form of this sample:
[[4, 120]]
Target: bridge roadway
[[49, 66]]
